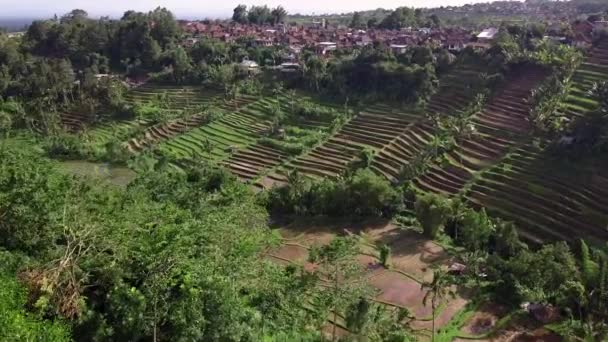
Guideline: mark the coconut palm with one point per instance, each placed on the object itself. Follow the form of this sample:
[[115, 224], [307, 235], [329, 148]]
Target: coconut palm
[[438, 289], [6, 123]]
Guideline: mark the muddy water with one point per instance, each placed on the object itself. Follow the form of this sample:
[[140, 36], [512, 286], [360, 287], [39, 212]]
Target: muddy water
[[116, 175]]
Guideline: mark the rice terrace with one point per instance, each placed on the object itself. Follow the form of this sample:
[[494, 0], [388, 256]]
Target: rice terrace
[[412, 174]]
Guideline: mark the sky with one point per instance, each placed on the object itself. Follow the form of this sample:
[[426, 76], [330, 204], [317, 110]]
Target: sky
[[203, 8]]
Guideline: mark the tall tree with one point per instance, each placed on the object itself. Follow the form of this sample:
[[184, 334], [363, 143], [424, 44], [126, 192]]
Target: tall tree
[[259, 15], [278, 15], [437, 290], [338, 268], [357, 21], [164, 27], [239, 14]]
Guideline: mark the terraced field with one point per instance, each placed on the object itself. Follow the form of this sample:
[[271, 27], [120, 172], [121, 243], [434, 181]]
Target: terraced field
[[254, 161], [454, 95], [108, 131], [217, 140], [373, 128], [73, 121], [173, 128], [548, 199], [161, 132], [593, 69], [393, 133], [174, 97], [501, 125], [456, 90]]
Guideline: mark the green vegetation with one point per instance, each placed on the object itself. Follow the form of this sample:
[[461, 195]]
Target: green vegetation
[[363, 194], [15, 323], [141, 250], [450, 144]]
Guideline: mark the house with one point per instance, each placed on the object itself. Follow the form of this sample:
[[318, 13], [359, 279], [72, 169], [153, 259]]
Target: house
[[290, 67], [263, 42], [323, 48], [295, 49], [485, 38], [488, 35], [190, 42], [583, 31], [600, 26], [424, 30], [398, 48], [15, 34], [363, 40], [250, 67], [457, 269], [455, 44]]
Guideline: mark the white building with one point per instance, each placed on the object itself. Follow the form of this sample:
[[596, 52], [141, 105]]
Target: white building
[[398, 48], [325, 47]]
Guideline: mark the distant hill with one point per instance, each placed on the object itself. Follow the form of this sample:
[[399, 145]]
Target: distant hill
[[15, 24]]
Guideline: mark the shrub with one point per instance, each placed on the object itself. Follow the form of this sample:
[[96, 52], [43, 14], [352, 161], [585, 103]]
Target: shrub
[[476, 230], [432, 212], [367, 156], [385, 255], [309, 110], [362, 194], [150, 111], [17, 324], [293, 149], [64, 146]]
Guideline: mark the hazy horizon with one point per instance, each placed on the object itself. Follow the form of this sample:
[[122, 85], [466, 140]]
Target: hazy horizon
[[199, 9]]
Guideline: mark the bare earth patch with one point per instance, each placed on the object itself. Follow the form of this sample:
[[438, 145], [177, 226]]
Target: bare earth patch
[[484, 320], [524, 329], [412, 258], [414, 255]]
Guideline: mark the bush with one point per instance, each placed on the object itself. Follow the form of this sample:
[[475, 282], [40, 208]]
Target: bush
[[18, 325], [293, 149], [385, 255], [432, 212], [310, 110], [64, 146], [362, 194], [150, 111], [476, 230]]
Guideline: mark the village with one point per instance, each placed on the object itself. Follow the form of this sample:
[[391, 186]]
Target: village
[[324, 39]]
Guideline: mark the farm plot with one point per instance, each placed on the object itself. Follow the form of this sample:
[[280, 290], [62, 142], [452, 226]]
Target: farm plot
[[456, 89], [454, 94], [174, 97], [165, 131], [548, 199], [73, 121], [400, 286], [270, 152], [113, 131], [373, 128], [593, 69], [501, 125], [161, 132], [225, 136]]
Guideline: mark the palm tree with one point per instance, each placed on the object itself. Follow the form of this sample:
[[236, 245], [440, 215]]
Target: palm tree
[[6, 123], [292, 100], [438, 289]]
